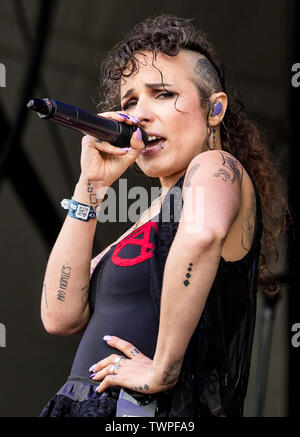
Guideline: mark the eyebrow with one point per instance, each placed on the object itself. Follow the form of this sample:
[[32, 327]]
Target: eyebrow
[[148, 85]]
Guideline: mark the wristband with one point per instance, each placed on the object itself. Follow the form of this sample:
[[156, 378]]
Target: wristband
[[78, 210]]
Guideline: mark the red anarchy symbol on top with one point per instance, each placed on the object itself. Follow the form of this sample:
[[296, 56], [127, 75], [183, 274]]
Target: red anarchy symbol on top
[[146, 246]]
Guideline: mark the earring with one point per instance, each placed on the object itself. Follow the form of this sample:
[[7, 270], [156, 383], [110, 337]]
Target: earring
[[213, 132]]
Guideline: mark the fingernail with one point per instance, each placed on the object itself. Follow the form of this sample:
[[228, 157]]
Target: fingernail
[[139, 134], [125, 116], [107, 338], [97, 387], [126, 148], [135, 120], [92, 367], [92, 375]]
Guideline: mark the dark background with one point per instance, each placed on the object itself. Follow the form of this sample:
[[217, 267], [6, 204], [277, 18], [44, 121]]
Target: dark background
[[54, 49]]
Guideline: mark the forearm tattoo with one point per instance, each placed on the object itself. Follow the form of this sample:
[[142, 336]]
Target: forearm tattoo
[[63, 283], [85, 291], [248, 223], [188, 275], [93, 197], [172, 372], [231, 170], [170, 376]]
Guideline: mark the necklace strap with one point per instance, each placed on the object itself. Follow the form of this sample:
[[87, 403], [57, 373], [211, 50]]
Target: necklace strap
[[160, 197]]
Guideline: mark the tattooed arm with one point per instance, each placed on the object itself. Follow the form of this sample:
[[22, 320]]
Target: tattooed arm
[[212, 193], [64, 303], [212, 198]]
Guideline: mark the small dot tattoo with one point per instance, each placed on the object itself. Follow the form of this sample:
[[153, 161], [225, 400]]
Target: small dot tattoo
[[186, 282]]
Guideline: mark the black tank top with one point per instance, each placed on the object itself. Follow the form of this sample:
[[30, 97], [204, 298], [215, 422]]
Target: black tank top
[[120, 300], [216, 365]]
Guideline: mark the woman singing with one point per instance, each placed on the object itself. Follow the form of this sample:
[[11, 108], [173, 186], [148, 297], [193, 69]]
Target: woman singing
[[168, 310]]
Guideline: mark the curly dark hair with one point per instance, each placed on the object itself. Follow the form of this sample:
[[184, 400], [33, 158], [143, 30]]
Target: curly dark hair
[[240, 136]]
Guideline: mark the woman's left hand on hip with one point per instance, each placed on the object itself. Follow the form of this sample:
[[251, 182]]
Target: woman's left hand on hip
[[131, 370]]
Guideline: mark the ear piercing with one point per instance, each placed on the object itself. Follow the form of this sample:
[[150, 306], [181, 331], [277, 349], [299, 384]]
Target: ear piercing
[[213, 132], [214, 137]]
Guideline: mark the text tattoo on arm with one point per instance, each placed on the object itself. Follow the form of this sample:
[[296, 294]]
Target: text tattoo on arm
[[63, 283], [231, 170]]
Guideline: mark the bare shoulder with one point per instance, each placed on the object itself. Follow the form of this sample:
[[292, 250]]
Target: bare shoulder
[[218, 164], [215, 168], [222, 165], [230, 204]]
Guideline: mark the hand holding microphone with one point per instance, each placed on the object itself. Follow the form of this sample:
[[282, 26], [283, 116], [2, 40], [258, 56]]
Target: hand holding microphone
[[104, 155], [99, 127]]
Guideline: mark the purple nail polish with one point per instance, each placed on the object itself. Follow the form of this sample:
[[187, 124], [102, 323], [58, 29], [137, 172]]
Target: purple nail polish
[[135, 120], [92, 375], [107, 338], [92, 367], [139, 134], [125, 116]]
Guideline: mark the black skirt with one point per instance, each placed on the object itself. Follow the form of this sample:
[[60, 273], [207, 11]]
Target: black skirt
[[77, 398]]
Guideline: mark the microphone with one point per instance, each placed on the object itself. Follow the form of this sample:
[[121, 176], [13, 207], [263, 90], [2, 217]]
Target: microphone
[[102, 128]]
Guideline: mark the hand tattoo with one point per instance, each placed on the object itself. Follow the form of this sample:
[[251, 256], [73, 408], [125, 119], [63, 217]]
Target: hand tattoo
[[134, 352], [141, 389]]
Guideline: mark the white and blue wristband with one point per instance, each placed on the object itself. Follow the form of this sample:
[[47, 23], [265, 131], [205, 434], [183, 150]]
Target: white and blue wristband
[[79, 210]]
